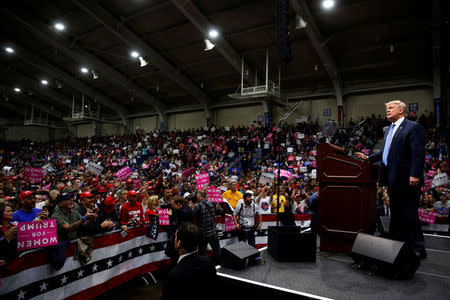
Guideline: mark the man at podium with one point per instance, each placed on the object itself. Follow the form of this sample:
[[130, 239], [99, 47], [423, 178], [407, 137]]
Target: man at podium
[[402, 159]]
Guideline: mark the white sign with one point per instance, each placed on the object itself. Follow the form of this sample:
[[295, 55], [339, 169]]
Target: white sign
[[439, 180], [94, 168], [266, 178]]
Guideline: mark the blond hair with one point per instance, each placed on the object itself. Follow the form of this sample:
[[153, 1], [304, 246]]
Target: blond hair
[[152, 202], [399, 103]]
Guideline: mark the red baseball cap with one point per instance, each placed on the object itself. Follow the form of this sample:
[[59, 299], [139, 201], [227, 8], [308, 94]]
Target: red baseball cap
[[85, 194], [110, 200], [109, 185], [100, 189], [109, 204], [25, 194], [129, 180], [132, 193]]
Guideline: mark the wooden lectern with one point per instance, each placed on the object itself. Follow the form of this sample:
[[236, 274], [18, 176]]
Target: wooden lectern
[[347, 196]]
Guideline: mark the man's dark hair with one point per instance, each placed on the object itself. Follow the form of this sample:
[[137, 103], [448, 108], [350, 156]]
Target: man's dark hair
[[202, 194], [189, 236], [179, 200]]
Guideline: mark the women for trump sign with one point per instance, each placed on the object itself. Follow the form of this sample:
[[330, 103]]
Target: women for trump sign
[[32, 235]]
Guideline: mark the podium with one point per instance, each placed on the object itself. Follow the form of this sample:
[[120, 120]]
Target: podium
[[347, 198]]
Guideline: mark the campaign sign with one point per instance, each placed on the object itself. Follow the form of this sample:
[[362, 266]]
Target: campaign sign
[[187, 172], [266, 178], [124, 173], [136, 184], [284, 173], [314, 164], [32, 235], [439, 180], [365, 151], [426, 184], [214, 194], [427, 217], [46, 187], [33, 175], [229, 224], [94, 168], [202, 180], [163, 217]]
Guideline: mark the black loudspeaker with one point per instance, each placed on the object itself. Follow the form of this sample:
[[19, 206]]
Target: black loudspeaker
[[391, 258], [238, 256], [289, 244], [283, 43]]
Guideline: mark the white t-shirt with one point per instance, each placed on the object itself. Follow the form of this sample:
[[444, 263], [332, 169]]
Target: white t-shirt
[[298, 208], [264, 205]]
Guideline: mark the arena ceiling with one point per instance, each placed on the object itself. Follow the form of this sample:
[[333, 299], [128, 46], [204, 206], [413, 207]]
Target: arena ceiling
[[359, 44]]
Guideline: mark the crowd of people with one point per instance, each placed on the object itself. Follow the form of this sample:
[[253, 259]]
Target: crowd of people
[[164, 165]]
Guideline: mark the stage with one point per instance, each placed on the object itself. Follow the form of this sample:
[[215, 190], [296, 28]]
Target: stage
[[333, 277]]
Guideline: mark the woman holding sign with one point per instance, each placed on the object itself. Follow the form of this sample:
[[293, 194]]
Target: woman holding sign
[[8, 233]]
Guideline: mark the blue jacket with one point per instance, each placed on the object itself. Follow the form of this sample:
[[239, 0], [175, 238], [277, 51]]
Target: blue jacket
[[406, 155]]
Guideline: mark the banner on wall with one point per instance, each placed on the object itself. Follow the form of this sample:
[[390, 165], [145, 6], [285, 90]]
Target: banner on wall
[[437, 111]]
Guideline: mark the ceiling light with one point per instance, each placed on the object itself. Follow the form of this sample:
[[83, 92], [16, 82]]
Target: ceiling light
[[94, 75], [328, 4], [59, 84], [213, 33], [84, 70], [300, 22], [17, 90], [143, 61], [59, 26], [208, 45], [134, 54], [9, 50], [44, 82]]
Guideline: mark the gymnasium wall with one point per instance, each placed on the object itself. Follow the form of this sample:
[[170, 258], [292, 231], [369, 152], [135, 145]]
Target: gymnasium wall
[[355, 106]]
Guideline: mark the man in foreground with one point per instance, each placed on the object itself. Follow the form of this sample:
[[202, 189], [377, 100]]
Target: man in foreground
[[194, 276]]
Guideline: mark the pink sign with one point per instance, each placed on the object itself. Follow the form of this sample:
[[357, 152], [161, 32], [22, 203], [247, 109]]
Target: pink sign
[[47, 187], [189, 141], [114, 164], [195, 145], [269, 136], [163, 217], [314, 164], [365, 151], [124, 173], [32, 235], [202, 180], [427, 217], [229, 224], [314, 152], [285, 173], [34, 175], [275, 129], [136, 184], [214, 194], [187, 172], [427, 184]]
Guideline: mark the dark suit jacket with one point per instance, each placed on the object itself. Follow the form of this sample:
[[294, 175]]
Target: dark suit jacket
[[406, 156], [194, 277]]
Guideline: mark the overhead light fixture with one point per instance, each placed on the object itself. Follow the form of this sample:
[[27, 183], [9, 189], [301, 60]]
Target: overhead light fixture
[[84, 70], [94, 75], [208, 45], [213, 33], [143, 61], [17, 90], [328, 4], [59, 84], [134, 54], [9, 50], [300, 23], [59, 26], [44, 82]]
